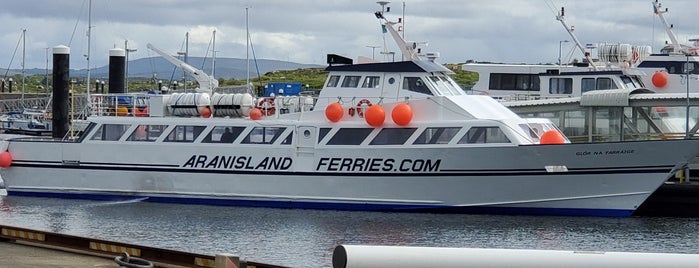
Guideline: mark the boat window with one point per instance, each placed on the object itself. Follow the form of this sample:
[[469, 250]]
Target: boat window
[[452, 85], [484, 135], [333, 80], [393, 136], [371, 82], [631, 81], [321, 134], [605, 83], [437, 135], [146, 133], [415, 84], [223, 134], [184, 133], [504, 81], [288, 138], [263, 135], [350, 136], [110, 132], [351, 81], [587, 84], [561, 85]]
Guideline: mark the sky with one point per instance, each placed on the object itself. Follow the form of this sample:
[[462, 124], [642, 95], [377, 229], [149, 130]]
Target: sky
[[304, 31]]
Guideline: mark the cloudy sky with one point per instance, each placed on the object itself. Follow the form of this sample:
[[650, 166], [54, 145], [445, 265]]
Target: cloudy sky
[[305, 31]]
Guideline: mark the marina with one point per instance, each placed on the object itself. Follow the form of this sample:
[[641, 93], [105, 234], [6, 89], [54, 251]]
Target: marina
[[392, 164]]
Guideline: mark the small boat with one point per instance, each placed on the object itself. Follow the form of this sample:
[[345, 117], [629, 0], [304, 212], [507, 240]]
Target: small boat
[[381, 136], [27, 121]]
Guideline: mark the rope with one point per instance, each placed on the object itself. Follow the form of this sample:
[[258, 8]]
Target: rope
[[124, 260]]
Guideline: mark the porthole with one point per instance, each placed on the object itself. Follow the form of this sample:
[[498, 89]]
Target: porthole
[[307, 133], [391, 80]]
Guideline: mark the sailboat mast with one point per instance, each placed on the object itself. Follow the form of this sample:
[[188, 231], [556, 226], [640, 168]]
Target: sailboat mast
[[89, 29], [247, 48], [24, 49], [213, 55]]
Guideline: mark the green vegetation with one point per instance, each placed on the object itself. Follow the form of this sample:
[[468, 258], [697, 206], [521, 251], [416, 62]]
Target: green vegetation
[[311, 78]]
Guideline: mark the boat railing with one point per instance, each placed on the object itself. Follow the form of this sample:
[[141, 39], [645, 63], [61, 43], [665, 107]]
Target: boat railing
[[135, 104]]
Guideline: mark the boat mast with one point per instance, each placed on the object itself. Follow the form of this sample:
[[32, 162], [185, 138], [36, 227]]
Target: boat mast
[[408, 49], [561, 17], [247, 50], [24, 47], [213, 55], [89, 36], [668, 28]]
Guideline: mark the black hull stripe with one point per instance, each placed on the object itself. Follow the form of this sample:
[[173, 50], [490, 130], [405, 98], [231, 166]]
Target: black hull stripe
[[478, 173]]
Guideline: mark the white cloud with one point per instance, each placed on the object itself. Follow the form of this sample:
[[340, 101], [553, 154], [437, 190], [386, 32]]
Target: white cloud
[[304, 31]]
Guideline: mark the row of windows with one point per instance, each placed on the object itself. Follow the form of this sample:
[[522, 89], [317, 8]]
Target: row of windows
[[526, 82], [412, 83], [219, 134], [565, 85], [270, 135], [352, 81], [399, 136]]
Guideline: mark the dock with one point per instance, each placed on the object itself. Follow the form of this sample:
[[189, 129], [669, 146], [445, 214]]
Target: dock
[[24, 247]]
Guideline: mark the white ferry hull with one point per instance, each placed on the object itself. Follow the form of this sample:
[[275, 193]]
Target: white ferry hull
[[583, 179]]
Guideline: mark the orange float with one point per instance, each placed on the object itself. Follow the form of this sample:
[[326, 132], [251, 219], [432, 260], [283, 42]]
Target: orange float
[[334, 112], [255, 114], [552, 137], [659, 79], [375, 115], [206, 112], [141, 112], [402, 114], [5, 159]]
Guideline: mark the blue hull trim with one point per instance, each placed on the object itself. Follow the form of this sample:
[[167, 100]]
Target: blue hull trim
[[339, 206]]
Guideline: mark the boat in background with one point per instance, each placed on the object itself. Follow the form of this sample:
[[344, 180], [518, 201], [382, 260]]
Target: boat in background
[[382, 136], [617, 66], [27, 121]]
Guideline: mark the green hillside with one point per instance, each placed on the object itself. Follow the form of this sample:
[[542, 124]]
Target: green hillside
[[310, 78]]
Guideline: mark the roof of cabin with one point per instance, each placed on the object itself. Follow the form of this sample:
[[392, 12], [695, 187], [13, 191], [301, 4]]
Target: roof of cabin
[[398, 67]]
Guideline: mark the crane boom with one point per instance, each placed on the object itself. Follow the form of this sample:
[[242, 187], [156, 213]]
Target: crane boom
[[206, 82]]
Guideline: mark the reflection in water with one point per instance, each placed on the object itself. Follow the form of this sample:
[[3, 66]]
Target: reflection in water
[[306, 238]]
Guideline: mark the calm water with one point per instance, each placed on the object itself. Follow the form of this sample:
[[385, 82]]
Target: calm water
[[306, 238]]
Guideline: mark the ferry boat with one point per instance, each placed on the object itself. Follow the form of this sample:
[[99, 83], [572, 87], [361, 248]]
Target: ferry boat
[[383, 136]]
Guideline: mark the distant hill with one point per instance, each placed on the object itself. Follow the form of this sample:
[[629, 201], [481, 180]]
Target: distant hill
[[225, 68]]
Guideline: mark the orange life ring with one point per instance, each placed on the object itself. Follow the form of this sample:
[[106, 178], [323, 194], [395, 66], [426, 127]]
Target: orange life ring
[[360, 110], [266, 105]]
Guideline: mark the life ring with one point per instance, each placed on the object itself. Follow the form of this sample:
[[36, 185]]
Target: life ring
[[266, 105], [360, 109]]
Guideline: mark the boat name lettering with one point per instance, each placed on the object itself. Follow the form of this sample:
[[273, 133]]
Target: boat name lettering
[[238, 162], [625, 151], [378, 164]]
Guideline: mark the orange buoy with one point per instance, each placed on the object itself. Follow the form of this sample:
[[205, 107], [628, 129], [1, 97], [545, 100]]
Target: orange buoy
[[552, 137], [5, 159], [375, 115], [255, 114], [659, 79], [206, 112], [402, 114], [334, 111], [141, 112]]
